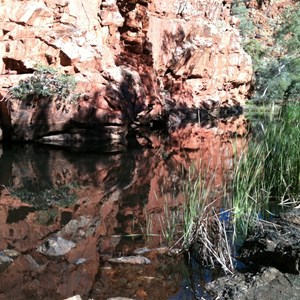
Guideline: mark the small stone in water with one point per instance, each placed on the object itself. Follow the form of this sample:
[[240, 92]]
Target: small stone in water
[[11, 253], [77, 297], [79, 261], [119, 298], [56, 246], [5, 261], [140, 251], [134, 260]]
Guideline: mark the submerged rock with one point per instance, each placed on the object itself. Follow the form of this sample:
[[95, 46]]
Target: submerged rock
[[119, 298], [72, 228], [134, 260], [79, 261], [5, 261], [140, 251], [10, 253], [56, 246], [161, 250], [76, 297]]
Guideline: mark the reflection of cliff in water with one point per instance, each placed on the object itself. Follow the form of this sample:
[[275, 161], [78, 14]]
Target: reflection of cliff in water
[[138, 179], [142, 177], [117, 193]]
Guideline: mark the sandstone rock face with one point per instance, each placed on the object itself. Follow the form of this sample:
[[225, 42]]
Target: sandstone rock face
[[126, 57]]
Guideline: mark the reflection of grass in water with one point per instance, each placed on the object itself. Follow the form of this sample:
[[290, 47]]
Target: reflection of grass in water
[[61, 196], [169, 222]]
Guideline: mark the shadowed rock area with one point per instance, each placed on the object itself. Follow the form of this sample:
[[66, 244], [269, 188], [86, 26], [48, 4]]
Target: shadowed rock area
[[268, 283]]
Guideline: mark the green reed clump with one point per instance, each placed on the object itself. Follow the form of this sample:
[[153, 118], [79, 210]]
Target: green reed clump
[[250, 192], [170, 224], [283, 164], [268, 170], [282, 155], [204, 234], [198, 193]]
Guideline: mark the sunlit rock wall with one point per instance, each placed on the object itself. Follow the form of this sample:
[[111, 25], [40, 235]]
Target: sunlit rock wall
[[127, 56]]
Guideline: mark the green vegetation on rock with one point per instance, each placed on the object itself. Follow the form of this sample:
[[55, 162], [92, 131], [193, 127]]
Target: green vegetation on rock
[[45, 82]]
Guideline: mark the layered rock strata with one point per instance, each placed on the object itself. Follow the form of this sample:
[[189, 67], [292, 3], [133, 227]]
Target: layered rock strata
[[128, 57]]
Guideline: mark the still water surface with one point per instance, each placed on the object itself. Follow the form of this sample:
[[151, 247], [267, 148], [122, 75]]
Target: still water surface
[[125, 195]]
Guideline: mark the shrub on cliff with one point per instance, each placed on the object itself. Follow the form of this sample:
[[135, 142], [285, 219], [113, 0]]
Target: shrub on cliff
[[282, 75], [247, 28], [46, 82], [288, 35], [277, 67], [256, 50]]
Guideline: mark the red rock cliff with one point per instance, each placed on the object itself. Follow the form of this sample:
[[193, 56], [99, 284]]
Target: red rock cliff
[[127, 56]]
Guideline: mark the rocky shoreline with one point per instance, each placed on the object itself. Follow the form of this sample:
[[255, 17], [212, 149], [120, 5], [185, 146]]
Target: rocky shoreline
[[272, 253]]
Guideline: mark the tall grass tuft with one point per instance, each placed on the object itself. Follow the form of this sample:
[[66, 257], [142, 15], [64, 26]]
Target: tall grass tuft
[[250, 193], [198, 193], [268, 170], [282, 166], [170, 223], [204, 234]]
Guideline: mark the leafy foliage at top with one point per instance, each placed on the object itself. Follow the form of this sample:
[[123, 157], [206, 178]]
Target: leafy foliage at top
[[288, 35], [248, 29], [46, 82]]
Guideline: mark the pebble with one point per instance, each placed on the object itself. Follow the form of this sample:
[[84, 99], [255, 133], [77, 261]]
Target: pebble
[[11, 253], [134, 260]]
